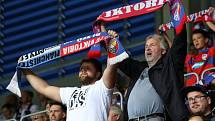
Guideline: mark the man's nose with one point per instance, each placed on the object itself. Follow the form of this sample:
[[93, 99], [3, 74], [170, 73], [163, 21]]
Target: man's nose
[[148, 48], [83, 69], [51, 113], [193, 101]]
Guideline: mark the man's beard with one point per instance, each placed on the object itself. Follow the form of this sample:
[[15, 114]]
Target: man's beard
[[87, 80], [198, 113]]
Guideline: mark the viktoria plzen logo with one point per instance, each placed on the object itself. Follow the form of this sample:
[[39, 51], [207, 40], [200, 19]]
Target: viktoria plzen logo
[[113, 46]]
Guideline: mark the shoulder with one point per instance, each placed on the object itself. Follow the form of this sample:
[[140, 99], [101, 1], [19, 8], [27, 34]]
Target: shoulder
[[67, 90], [100, 85]]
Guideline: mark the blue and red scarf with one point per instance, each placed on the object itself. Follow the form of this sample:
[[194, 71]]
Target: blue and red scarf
[[195, 18], [178, 16], [45, 55]]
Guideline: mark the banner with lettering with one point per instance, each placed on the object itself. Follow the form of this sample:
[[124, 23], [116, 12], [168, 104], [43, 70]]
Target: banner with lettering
[[36, 58], [128, 11], [45, 55], [140, 8], [195, 17]]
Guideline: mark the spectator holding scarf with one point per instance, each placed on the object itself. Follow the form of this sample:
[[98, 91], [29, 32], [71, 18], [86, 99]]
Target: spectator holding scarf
[[154, 91], [155, 83], [90, 102], [205, 58]]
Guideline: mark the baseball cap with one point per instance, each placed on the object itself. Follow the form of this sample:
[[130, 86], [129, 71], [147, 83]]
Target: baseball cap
[[196, 87]]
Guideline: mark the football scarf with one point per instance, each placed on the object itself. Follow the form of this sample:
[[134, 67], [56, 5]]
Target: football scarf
[[45, 55], [195, 17], [178, 16], [140, 8]]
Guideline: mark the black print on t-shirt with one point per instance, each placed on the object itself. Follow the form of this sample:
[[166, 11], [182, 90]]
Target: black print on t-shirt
[[78, 99]]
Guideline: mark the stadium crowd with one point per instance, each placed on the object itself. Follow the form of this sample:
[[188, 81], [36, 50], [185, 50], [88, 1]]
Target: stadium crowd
[[157, 91]]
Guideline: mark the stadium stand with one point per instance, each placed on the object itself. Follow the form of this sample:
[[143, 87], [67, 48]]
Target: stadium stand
[[33, 25]]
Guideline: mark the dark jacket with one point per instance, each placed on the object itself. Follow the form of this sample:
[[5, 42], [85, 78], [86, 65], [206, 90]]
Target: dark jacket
[[210, 117], [166, 77]]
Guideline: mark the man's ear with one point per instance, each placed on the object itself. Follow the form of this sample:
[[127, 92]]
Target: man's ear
[[209, 100], [64, 115]]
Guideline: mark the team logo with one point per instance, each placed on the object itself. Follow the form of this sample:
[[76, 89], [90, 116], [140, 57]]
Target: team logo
[[204, 56], [113, 46], [176, 9], [78, 99]]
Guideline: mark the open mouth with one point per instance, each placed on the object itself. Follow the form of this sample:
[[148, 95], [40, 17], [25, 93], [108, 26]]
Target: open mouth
[[83, 75], [197, 44], [148, 53]]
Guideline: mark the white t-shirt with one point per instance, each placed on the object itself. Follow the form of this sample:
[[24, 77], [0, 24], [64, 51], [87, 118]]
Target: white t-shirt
[[88, 103]]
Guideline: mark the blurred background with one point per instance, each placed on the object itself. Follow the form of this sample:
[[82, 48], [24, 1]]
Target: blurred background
[[30, 25]]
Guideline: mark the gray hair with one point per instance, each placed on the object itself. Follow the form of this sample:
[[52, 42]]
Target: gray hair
[[117, 110], [163, 42]]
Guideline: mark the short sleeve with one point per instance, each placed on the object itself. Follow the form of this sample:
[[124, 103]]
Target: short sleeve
[[65, 93], [100, 86]]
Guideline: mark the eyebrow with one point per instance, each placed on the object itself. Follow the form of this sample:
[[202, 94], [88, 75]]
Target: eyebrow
[[198, 96]]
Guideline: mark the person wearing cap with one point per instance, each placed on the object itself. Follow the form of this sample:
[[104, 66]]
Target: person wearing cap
[[205, 57], [199, 101]]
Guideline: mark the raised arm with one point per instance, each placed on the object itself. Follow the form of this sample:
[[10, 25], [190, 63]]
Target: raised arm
[[178, 53], [42, 86], [165, 35], [110, 76], [179, 47], [167, 38], [211, 12], [211, 25], [110, 72]]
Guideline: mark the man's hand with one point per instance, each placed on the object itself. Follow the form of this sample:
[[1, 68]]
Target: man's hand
[[112, 33], [41, 85], [211, 11], [25, 71]]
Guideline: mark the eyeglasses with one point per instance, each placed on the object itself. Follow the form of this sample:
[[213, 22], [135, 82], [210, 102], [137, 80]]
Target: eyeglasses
[[196, 98]]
